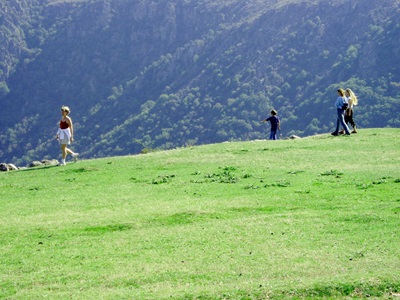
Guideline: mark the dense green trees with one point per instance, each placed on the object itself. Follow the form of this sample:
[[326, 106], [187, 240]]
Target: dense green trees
[[168, 74]]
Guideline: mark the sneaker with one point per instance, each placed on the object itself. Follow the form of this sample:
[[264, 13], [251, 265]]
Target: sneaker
[[62, 163], [334, 134], [75, 157], [354, 131]]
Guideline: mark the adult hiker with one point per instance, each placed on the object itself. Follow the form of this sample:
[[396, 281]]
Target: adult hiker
[[349, 114], [65, 135], [341, 106]]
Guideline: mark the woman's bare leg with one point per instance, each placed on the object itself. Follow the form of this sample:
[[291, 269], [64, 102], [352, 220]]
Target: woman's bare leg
[[63, 151], [69, 151]]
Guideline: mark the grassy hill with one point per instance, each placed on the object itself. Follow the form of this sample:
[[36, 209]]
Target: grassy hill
[[317, 217]]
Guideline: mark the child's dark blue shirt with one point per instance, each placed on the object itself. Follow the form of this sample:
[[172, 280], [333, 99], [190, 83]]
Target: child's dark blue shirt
[[274, 122]]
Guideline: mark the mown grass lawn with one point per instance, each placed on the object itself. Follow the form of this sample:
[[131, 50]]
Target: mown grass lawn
[[312, 218]]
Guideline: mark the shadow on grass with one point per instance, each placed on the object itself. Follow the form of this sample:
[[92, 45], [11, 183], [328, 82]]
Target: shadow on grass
[[39, 168], [379, 289], [345, 290], [108, 228], [188, 217]]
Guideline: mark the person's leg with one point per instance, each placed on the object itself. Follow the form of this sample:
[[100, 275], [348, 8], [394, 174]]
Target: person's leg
[[354, 129], [351, 122], [63, 154], [341, 119], [346, 118], [63, 151], [336, 132], [69, 151], [272, 136], [74, 154]]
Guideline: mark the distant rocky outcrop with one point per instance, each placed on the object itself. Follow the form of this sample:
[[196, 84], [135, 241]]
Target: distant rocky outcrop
[[293, 137], [5, 167], [35, 163], [44, 162], [51, 162]]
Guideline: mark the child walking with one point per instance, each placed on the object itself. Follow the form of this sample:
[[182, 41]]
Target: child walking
[[65, 135], [275, 124]]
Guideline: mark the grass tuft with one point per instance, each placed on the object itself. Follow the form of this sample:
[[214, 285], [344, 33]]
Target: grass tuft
[[332, 173], [108, 228]]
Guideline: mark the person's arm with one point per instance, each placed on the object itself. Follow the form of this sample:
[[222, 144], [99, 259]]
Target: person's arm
[[265, 120], [58, 134], [337, 103], [71, 127]]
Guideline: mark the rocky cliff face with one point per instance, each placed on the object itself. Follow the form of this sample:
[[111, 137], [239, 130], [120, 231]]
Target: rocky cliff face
[[167, 73]]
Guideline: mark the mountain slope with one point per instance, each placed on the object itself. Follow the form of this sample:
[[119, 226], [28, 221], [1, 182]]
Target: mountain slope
[[159, 75]]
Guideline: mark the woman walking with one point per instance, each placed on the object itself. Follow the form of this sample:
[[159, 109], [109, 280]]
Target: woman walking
[[341, 105], [349, 115], [65, 135]]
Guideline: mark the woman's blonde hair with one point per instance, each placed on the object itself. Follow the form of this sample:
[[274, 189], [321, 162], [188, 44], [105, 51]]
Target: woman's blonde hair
[[353, 96], [65, 108]]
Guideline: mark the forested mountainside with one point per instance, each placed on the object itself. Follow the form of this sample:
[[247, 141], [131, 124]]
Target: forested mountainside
[[160, 74]]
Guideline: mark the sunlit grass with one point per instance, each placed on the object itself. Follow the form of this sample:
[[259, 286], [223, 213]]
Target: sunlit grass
[[317, 217]]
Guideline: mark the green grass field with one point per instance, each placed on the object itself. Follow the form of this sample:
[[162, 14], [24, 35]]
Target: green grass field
[[312, 218]]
